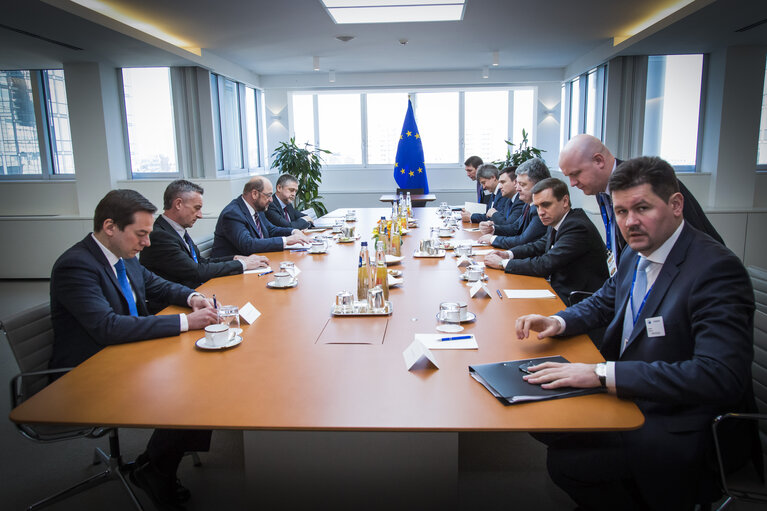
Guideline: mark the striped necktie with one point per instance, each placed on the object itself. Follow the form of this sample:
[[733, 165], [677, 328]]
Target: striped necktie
[[258, 225], [287, 216]]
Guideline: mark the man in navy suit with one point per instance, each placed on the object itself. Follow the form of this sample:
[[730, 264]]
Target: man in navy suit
[[487, 175], [281, 211], [98, 294], [679, 342], [242, 227], [174, 256], [471, 165]]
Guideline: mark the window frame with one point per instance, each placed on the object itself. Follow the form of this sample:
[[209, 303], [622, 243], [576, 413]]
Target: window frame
[[567, 131], [761, 167]]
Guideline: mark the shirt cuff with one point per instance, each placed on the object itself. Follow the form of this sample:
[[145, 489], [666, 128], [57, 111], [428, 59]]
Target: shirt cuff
[[492, 240], [284, 242], [504, 262], [192, 295], [184, 322], [562, 324], [244, 264], [610, 380]]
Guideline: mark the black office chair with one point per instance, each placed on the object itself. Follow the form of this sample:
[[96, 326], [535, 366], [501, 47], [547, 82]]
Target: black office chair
[[413, 191], [747, 483], [577, 296], [30, 335]]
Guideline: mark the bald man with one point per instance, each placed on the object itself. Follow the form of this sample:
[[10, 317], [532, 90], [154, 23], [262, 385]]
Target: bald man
[[587, 162]]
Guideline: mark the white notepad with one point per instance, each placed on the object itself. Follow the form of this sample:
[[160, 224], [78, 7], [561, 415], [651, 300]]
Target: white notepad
[[432, 341], [529, 293]]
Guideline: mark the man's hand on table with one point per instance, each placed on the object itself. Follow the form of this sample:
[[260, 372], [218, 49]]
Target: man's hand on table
[[552, 375], [495, 259], [253, 261], [487, 227], [545, 325], [465, 216]]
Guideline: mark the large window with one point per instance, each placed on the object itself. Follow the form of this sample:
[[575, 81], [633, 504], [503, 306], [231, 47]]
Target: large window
[[582, 105], [672, 108], [363, 128], [35, 140], [149, 117], [761, 155]]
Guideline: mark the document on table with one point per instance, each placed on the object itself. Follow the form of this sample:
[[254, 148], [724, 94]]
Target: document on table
[[484, 251], [433, 342], [475, 207], [529, 293], [258, 271]]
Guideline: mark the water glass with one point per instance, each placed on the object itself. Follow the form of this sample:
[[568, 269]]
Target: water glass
[[229, 315]]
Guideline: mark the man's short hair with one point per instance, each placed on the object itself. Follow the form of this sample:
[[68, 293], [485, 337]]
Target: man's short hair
[[286, 178], [557, 187], [535, 169], [486, 171], [120, 206], [646, 170], [511, 170], [178, 188], [473, 161], [256, 184]]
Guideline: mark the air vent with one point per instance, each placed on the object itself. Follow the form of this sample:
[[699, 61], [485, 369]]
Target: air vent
[[30, 34], [752, 25]]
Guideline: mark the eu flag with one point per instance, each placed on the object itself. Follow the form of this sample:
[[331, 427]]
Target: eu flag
[[409, 169]]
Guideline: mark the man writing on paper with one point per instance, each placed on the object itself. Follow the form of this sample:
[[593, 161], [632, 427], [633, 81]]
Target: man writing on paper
[[242, 227], [98, 292], [679, 342], [281, 211], [487, 175], [174, 256], [571, 253], [588, 164], [528, 226]]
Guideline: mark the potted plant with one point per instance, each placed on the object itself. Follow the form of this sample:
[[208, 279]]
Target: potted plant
[[523, 153], [306, 164]]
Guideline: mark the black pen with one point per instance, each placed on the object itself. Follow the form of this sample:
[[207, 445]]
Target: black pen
[[215, 305]]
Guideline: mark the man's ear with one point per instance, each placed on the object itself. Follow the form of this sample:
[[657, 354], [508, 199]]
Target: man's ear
[[676, 201]]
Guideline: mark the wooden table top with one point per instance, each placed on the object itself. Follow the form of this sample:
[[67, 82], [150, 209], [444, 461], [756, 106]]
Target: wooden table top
[[281, 378], [392, 197]]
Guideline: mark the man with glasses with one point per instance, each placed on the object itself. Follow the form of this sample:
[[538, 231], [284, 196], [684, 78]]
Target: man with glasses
[[243, 228]]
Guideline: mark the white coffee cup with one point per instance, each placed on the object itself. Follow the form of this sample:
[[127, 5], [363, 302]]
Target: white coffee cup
[[282, 279], [445, 231], [216, 335], [474, 273], [318, 246]]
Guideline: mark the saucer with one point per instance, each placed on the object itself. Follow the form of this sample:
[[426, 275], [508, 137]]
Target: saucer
[[346, 240], [450, 329], [272, 285], [463, 277], [447, 235], [470, 316], [392, 259], [395, 273], [203, 343], [440, 253], [317, 252]]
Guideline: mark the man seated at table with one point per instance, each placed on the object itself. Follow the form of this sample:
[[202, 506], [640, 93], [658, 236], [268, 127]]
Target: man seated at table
[[679, 342], [281, 211], [512, 206], [571, 253], [487, 175], [174, 256], [471, 165], [98, 293], [528, 226], [242, 227]]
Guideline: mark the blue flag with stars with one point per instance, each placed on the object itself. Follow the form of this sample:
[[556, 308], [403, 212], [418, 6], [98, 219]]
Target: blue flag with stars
[[409, 167]]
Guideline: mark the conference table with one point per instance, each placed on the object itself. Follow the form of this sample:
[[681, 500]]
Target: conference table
[[326, 403]]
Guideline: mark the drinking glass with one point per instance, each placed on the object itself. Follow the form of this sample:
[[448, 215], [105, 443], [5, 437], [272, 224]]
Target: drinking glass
[[229, 315]]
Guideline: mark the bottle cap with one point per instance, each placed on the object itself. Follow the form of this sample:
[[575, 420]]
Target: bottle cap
[[364, 244]]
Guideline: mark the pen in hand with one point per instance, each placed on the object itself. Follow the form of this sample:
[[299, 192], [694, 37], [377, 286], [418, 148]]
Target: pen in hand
[[215, 304], [460, 337]]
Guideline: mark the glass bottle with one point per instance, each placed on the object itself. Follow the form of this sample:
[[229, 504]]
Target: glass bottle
[[363, 273], [381, 277], [396, 239], [409, 205]]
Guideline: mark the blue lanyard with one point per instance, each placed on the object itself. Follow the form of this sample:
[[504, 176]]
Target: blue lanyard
[[608, 226], [631, 295]]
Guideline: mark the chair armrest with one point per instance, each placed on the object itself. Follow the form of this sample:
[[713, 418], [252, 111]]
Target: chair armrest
[[716, 424], [17, 389], [577, 296]]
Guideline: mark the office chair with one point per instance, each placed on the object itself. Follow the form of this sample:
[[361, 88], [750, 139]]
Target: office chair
[[577, 296], [30, 335], [748, 484], [205, 245], [413, 191]]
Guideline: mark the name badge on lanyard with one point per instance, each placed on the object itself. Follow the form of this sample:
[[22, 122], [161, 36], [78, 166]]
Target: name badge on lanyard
[[611, 266]]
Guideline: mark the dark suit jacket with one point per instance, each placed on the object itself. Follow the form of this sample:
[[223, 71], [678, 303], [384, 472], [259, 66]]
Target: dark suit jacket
[[575, 262], [168, 256], [236, 232], [524, 230], [700, 368], [89, 311], [275, 215], [512, 210], [497, 201]]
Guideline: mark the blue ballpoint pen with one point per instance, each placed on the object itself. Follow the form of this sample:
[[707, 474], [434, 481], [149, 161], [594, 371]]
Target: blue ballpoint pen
[[265, 273], [215, 305], [460, 337]]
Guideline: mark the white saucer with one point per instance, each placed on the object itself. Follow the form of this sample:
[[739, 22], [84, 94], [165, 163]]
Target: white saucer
[[450, 329], [470, 316], [272, 285], [203, 343], [392, 259], [463, 277], [317, 252]]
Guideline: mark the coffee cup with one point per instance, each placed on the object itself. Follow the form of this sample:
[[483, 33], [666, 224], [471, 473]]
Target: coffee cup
[[282, 279], [216, 335], [450, 312], [463, 310], [474, 273], [318, 246], [445, 231]]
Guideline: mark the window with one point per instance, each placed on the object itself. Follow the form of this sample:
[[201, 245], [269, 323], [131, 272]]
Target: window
[[149, 119], [363, 128], [761, 155], [251, 120], [583, 105], [672, 108], [35, 141], [595, 99]]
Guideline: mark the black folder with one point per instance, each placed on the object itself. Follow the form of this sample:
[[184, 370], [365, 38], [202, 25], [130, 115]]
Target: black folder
[[504, 381]]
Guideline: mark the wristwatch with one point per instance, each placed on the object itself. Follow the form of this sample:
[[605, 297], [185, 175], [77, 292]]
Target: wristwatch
[[601, 372]]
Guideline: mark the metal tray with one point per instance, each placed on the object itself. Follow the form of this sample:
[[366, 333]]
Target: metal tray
[[335, 311]]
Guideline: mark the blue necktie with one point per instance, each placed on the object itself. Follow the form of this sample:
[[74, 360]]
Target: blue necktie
[[122, 279], [189, 243], [636, 300]]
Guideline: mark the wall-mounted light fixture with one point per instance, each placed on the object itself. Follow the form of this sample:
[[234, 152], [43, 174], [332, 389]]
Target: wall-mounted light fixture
[[316, 63]]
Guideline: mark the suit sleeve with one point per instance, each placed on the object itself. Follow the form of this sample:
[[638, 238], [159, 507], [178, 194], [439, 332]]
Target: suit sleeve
[[534, 230], [275, 231], [533, 259], [235, 229], [275, 217]]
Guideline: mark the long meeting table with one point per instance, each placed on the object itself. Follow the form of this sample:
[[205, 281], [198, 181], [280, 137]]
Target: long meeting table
[[344, 419]]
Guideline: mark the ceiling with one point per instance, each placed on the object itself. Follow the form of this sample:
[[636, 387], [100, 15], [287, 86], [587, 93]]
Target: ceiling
[[281, 37]]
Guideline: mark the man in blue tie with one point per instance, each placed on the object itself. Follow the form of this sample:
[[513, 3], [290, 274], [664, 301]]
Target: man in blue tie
[[98, 298], [678, 341]]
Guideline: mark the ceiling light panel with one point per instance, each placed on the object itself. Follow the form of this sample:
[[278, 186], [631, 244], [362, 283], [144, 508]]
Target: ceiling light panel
[[382, 3], [397, 14]]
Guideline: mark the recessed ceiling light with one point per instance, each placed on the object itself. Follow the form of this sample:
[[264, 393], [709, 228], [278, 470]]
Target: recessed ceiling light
[[344, 38], [394, 11]]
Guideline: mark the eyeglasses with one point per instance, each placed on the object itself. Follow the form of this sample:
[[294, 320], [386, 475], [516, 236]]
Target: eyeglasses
[[267, 195]]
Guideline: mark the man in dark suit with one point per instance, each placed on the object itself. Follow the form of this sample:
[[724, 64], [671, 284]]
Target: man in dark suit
[[588, 164], [174, 256], [571, 253], [242, 227], [528, 227], [471, 165], [98, 293], [487, 175], [679, 342], [281, 211]]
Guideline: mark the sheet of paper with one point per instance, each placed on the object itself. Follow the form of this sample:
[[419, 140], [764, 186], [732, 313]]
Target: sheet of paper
[[296, 245], [529, 293], [433, 342], [483, 251], [418, 356], [474, 207], [471, 229], [258, 271], [249, 313], [478, 287]]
